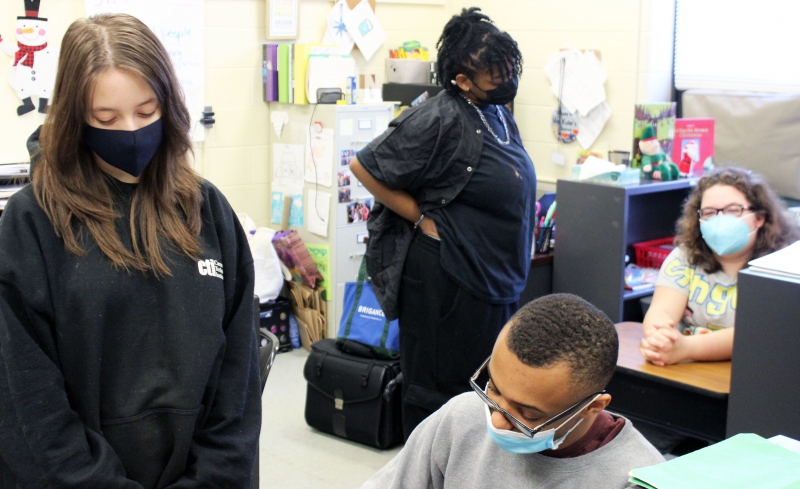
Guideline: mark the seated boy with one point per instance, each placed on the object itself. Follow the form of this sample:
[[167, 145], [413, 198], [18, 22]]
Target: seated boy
[[539, 422]]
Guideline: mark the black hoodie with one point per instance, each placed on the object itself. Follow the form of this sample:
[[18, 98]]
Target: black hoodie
[[110, 379]]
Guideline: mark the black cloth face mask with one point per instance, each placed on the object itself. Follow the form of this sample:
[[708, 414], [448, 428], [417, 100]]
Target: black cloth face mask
[[129, 151], [503, 94]]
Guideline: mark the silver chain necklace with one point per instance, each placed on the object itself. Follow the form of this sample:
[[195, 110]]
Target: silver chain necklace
[[485, 123]]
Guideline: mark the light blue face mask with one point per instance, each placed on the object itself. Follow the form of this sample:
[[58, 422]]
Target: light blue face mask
[[516, 442], [725, 234]]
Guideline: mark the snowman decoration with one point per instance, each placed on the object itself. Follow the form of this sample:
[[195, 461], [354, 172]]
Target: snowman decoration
[[33, 68]]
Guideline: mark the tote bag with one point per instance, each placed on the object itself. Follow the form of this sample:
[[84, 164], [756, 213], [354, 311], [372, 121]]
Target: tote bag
[[363, 320]]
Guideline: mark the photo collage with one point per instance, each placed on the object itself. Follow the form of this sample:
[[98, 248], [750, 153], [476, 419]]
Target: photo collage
[[358, 209]]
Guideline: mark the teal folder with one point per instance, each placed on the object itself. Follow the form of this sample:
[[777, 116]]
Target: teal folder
[[283, 73], [745, 461]]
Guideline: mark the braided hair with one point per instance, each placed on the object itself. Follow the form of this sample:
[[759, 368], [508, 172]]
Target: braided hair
[[471, 43]]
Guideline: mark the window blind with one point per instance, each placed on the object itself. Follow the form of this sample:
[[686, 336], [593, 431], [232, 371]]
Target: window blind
[[738, 45]]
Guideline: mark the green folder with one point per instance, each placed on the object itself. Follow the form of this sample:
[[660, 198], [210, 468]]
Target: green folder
[[283, 73], [745, 461]]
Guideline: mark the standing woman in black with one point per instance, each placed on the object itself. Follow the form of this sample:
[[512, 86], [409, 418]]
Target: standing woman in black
[[128, 355], [451, 231]]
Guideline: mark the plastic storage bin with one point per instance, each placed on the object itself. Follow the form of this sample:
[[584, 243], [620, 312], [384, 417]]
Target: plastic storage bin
[[651, 254]]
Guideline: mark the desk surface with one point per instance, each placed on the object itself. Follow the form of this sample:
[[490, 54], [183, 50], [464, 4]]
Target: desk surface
[[707, 376]]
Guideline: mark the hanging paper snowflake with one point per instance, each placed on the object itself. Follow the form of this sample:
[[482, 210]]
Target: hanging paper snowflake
[[338, 25]]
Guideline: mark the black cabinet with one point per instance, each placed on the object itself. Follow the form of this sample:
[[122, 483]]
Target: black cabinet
[[765, 371], [596, 226]]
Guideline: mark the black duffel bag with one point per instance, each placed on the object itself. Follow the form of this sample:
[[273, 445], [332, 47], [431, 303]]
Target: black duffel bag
[[353, 397]]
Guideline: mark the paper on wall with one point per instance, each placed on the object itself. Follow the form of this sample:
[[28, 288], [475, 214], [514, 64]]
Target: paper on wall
[[179, 24], [592, 125], [363, 26], [336, 32], [319, 157], [278, 119], [583, 79], [296, 211], [319, 209], [287, 164]]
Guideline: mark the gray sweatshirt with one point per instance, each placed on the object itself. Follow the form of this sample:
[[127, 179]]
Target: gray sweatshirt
[[452, 450]]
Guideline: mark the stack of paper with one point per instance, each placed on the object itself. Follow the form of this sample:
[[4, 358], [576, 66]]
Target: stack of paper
[[579, 79], [784, 262], [745, 461]]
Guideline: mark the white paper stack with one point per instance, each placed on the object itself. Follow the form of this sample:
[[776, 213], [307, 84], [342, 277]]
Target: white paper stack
[[582, 90], [784, 262]]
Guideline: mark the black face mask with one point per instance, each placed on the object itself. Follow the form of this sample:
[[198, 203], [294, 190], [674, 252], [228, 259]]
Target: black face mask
[[503, 94], [130, 151]]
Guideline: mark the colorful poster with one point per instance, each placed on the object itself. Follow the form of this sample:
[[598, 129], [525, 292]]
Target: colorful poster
[[321, 255], [295, 211]]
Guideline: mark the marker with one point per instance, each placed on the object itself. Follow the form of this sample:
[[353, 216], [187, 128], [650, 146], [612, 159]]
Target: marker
[[550, 212]]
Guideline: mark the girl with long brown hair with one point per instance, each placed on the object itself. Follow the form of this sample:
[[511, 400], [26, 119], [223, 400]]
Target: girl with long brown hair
[[128, 355], [731, 217]]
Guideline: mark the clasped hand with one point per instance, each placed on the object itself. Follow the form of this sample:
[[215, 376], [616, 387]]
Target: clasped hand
[[664, 345]]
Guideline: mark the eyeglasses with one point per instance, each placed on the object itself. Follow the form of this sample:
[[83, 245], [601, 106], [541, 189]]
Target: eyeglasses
[[522, 427], [735, 210]]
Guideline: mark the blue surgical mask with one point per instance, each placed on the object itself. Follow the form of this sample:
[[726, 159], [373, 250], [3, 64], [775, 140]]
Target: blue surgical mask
[[516, 442], [725, 234], [129, 151]]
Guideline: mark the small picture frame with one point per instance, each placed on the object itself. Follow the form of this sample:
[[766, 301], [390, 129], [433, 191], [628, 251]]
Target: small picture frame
[[283, 19]]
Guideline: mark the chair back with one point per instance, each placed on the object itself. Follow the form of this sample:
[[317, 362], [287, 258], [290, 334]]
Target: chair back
[[268, 345], [266, 353]]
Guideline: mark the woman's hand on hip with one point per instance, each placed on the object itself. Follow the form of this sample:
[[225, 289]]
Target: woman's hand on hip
[[428, 226]]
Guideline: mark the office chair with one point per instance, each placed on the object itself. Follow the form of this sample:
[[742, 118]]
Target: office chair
[[267, 350]]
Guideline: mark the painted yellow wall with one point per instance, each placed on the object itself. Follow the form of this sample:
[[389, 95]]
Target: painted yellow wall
[[633, 37]]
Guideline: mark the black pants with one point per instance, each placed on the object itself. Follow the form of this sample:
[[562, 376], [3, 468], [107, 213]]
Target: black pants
[[445, 333]]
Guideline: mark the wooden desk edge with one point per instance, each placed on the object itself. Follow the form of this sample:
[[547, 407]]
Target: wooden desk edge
[[714, 377]]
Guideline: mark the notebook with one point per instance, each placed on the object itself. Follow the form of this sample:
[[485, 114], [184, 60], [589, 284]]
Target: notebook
[[744, 461], [284, 75]]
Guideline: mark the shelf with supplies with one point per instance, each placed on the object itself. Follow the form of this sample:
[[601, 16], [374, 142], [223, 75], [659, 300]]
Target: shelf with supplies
[[597, 227], [637, 294]]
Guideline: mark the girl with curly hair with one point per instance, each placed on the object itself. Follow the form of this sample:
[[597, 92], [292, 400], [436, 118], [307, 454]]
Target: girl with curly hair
[[731, 217]]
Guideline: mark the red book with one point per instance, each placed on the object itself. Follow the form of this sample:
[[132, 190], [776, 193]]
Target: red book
[[693, 145]]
